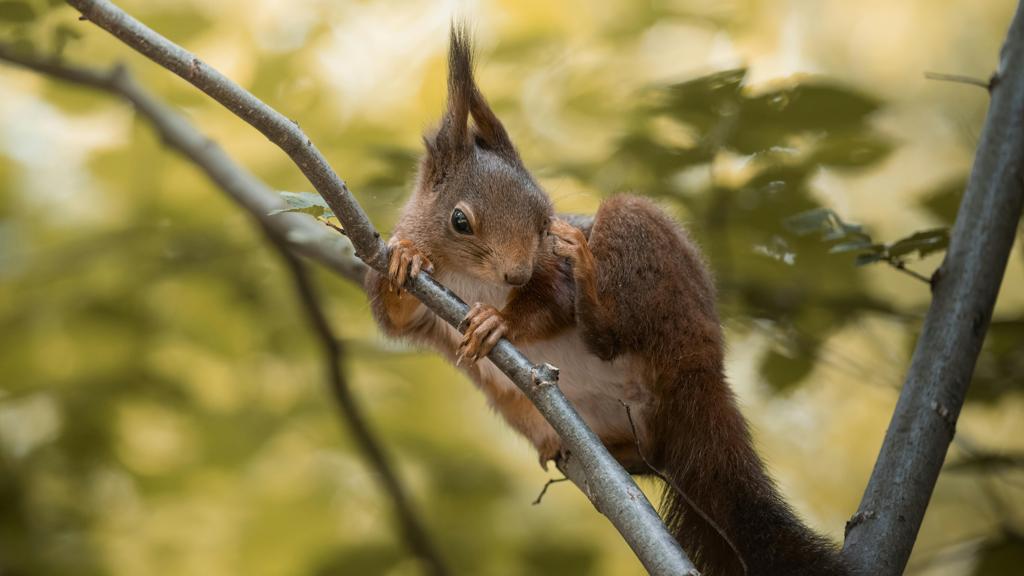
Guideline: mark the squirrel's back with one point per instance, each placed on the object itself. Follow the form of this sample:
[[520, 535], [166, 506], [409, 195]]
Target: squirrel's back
[[720, 503]]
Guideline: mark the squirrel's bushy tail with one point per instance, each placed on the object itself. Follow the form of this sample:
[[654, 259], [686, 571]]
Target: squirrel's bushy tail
[[730, 508]]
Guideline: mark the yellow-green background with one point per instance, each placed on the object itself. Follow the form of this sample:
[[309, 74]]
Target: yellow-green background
[[162, 407]]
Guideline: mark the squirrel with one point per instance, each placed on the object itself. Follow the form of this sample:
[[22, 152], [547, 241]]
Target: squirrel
[[623, 304]]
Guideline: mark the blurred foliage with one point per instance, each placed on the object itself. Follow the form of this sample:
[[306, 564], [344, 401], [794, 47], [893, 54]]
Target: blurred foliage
[[28, 24], [851, 238], [161, 405], [1001, 556]]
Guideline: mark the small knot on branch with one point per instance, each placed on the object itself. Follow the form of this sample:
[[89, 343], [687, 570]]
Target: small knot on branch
[[933, 281], [979, 324], [857, 519], [544, 375], [993, 81], [945, 414]]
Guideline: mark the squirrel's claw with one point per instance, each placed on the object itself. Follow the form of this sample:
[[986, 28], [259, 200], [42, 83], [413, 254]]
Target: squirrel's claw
[[404, 261], [550, 451], [482, 328]]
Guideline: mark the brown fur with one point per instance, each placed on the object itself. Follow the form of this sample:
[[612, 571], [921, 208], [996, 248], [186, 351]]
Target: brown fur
[[626, 305]]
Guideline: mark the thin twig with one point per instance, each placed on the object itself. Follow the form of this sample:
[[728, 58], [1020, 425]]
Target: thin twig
[[902, 267], [547, 484], [280, 230], [611, 488], [959, 79], [413, 529], [336, 228], [671, 485]]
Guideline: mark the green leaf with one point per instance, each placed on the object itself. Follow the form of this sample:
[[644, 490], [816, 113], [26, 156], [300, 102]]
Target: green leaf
[[306, 203], [771, 119], [706, 93], [851, 151], [704, 102], [814, 106], [16, 11], [841, 230], [858, 245], [778, 249], [924, 243], [865, 259], [811, 221], [826, 221]]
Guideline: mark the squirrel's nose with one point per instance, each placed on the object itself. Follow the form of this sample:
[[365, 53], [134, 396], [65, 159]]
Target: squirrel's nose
[[517, 278]]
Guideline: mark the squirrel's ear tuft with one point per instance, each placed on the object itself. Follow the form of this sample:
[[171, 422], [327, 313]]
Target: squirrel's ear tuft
[[465, 100], [454, 132]]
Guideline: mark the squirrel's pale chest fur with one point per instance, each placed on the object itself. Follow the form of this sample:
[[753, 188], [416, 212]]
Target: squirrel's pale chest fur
[[596, 388]]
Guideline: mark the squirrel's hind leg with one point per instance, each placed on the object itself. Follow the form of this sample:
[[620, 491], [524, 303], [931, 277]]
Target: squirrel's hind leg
[[645, 287]]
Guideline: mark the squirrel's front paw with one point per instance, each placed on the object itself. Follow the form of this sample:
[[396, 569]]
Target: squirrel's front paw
[[484, 326], [568, 239], [404, 261], [550, 450]]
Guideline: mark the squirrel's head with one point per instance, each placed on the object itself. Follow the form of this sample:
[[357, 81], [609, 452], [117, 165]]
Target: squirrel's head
[[489, 217]]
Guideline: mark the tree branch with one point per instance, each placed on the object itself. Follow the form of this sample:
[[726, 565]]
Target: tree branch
[[282, 231], [609, 486], [415, 533], [302, 233], [881, 534]]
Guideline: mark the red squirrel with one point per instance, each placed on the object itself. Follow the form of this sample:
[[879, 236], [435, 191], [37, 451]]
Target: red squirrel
[[622, 304]]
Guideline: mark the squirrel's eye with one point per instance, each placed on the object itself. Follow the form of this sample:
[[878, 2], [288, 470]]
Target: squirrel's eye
[[460, 223]]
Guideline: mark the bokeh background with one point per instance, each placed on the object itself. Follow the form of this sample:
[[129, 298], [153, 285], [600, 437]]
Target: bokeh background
[[162, 407]]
